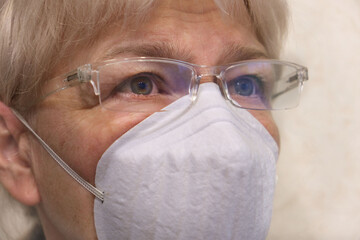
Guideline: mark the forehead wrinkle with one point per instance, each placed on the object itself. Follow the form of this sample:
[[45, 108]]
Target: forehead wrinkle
[[189, 7]]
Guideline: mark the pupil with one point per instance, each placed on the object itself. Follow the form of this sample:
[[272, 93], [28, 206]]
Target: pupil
[[244, 87], [141, 86]]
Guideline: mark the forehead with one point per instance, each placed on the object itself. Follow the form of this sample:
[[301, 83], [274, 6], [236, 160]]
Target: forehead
[[187, 15], [181, 30], [193, 31], [189, 6]]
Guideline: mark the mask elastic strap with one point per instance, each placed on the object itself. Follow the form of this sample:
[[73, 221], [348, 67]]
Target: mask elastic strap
[[97, 193]]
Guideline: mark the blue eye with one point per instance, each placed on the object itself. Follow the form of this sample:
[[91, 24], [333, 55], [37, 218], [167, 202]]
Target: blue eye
[[141, 85], [245, 85]]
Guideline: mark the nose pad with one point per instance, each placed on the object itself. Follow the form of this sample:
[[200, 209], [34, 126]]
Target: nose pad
[[214, 79], [208, 78]]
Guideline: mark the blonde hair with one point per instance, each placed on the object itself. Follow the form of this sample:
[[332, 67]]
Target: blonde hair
[[35, 35]]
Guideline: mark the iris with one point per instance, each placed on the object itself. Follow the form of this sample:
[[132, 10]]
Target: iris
[[245, 85], [141, 85]]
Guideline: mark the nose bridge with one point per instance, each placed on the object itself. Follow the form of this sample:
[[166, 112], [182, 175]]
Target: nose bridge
[[204, 78], [207, 74]]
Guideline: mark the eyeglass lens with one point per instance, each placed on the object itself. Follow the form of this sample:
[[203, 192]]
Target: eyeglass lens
[[149, 86]]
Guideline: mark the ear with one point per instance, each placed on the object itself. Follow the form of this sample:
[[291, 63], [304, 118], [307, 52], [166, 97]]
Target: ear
[[16, 174]]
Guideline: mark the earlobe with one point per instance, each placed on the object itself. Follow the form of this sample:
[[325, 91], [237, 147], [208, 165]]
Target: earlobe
[[16, 174]]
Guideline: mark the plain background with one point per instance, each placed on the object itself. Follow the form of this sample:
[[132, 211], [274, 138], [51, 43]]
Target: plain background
[[318, 189]]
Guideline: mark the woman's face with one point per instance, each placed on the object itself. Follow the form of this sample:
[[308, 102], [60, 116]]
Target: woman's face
[[81, 134]]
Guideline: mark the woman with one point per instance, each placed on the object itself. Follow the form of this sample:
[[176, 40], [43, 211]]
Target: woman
[[155, 112]]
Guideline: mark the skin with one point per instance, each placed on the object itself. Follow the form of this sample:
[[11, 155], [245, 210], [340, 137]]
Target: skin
[[80, 135]]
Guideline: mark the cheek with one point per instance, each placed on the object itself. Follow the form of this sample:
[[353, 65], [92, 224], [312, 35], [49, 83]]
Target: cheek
[[64, 202], [81, 137], [266, 119]]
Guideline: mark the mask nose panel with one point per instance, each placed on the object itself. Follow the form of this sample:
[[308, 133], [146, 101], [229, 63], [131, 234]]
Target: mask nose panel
[[207, 173], [209, 93]]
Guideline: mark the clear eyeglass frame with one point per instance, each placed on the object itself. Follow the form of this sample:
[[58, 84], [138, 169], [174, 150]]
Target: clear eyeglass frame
[[123, 84]]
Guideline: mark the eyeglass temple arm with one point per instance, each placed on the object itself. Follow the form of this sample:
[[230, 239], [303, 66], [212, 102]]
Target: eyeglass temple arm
[[81, 75], [301, 76]]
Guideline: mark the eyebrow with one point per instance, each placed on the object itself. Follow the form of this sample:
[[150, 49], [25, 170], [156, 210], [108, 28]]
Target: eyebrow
[[233, 52], [154, 49], [236, 52]]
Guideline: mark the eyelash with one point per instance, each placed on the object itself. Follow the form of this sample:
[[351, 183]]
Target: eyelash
[[155, 79]]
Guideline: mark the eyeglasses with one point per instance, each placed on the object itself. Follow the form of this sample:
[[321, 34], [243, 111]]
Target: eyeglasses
[[146, 84]]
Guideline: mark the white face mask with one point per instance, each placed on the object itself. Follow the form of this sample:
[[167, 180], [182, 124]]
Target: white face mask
[[207, 173]]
